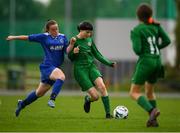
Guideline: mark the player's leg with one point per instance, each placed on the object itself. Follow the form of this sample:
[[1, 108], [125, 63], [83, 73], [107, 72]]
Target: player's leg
[[95, 77], [82, 77], [144, 103], [58, 76], [105, 98], [149, 89], [151, 81], [33, 96], [140, 75], [93, 96], [136, 94]]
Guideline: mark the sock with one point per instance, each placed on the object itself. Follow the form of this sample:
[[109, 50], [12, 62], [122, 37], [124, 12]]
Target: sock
[[153, 103], [29, 99], [56, 89], [105, 100], [144, 103]]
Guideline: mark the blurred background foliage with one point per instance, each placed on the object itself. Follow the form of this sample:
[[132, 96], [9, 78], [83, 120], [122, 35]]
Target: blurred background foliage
[[83, 9]]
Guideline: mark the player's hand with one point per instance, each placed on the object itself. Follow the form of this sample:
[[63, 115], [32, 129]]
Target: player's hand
[[114, 64], [76, 50], [73, 40], [10, 38]]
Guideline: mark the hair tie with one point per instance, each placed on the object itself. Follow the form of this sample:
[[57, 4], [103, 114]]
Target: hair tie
[[150, 20]]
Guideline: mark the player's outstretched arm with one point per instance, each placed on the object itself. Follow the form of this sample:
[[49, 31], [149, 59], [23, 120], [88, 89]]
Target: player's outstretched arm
[[21, 37], [100, 57]]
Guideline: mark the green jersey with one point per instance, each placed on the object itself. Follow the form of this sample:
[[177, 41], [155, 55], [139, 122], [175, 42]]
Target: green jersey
[[145, 39], [87, 53]]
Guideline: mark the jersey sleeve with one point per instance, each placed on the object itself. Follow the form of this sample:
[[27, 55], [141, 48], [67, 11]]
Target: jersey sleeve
[[99, 56], [164, 37], [37, 37], [66, 43], [136, 42]]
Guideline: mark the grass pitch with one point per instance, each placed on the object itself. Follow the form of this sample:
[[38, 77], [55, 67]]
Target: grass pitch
[[68, 116]]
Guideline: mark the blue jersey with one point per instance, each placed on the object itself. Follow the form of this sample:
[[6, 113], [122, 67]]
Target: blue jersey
[[54, 47]]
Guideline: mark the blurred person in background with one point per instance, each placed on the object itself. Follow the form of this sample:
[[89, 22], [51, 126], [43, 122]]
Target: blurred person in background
[[85, 71], [55, 45], [147, 45]]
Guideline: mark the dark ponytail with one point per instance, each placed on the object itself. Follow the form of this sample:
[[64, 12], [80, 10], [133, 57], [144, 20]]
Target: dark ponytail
[[144, 13]]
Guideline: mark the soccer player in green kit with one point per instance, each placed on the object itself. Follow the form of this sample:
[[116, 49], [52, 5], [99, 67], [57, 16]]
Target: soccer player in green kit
[[85, 72], [145, 42]]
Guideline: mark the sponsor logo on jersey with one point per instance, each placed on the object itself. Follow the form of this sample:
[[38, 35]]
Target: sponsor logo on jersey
[[56, 47]]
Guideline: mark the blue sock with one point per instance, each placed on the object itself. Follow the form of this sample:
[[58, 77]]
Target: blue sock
[[29, 99], [56, 89]]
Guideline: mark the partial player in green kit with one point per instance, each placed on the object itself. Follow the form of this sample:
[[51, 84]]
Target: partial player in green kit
[[85, 71], [146, 44]]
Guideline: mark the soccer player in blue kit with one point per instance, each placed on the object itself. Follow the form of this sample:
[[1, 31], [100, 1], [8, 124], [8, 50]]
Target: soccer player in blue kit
[[55, 45]]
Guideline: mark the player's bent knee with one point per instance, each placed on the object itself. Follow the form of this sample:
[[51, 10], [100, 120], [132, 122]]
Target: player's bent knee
[[62, 77]]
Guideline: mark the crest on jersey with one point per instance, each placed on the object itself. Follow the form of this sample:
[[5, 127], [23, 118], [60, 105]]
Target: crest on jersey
[[89, 43], [61, 41]]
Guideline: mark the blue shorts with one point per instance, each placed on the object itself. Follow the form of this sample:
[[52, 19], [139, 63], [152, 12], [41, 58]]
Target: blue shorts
[[46, 70]]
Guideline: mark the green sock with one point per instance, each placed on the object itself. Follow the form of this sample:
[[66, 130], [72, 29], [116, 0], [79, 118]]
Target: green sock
[[144, 103], [153, 103], [105, 100]]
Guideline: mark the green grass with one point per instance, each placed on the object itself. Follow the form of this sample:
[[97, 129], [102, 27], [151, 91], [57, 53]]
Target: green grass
[[69, 116]]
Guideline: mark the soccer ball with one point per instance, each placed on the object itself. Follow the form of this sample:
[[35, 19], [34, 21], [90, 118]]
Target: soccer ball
[[120, 112]]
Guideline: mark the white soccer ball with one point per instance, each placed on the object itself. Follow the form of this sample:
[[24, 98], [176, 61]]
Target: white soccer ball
[[120, 112]]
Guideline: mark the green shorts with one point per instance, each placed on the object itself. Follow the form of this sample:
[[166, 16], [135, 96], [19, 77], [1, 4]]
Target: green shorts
[[85, 76], [147, 69]]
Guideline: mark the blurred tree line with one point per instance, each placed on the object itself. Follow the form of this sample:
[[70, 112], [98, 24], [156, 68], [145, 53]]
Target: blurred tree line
[[25, 10], [80, 9]]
